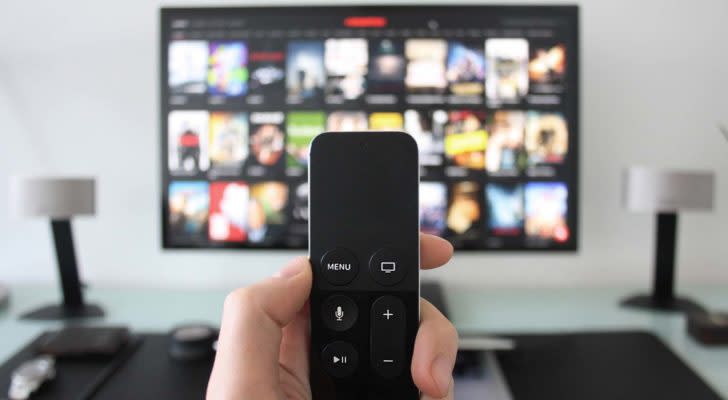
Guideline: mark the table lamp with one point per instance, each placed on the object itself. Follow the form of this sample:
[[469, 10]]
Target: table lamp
[[58, 199], [665, 193]]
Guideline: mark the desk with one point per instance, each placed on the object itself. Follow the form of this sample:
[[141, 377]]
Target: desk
[[472, 310]]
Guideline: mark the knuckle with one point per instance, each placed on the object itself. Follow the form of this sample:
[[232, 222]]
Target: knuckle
[[451, 333], [239, 299]]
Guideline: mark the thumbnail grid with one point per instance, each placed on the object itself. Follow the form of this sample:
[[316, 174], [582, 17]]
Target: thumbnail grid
[[487, 116], [452, 144], [384, 71], [468, 213]]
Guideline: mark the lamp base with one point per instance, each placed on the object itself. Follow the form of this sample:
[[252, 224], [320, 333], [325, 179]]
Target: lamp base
[[677, 304], [58, 312]]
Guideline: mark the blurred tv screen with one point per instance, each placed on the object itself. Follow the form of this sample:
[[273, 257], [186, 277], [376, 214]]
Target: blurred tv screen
[[489, 93]]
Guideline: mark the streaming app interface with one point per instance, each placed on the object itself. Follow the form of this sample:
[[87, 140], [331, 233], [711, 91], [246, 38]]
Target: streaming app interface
[[488, 94]]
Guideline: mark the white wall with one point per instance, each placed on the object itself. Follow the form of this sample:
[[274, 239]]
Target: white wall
[[78, 95]]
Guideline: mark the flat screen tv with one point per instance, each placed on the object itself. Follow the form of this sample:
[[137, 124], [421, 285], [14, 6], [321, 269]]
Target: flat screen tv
[[490, 94]]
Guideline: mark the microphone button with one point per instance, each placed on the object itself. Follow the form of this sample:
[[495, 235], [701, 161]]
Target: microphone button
[[339, 312]]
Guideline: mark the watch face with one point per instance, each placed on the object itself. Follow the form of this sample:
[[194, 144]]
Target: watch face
[[193, 332], [35, 369], [30, 375]]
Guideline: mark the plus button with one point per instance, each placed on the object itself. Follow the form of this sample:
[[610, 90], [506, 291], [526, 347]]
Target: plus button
[[388, 314]]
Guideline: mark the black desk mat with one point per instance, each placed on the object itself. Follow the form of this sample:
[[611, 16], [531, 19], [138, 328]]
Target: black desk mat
[[152, 374], [599, 366], [75, 379], [577, 366], [143, 370]]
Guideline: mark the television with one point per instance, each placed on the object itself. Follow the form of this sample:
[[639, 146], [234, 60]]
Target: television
[[490, 94]]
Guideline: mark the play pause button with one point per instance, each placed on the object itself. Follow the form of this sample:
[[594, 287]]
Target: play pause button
[[340, 359]]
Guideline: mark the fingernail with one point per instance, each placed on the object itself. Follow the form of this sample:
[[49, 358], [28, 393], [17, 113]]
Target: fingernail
[[442, 373], [290, 270]]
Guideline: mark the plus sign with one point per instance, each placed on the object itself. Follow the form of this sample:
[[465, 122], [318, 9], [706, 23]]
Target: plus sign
[[388, 314]]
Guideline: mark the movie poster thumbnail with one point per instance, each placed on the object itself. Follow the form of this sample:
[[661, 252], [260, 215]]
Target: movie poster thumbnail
[[505, 209], [228, 142], [465, 214], [547, 68], [428, 130], [187, 66], [298, 227], [227, 69], [187, 206], [347, 121], [386, 121], [505, 154], [425, 66], [466, 139], [267, 144], [187, 142], [267, 72], [267, 213], [465, 69], [546, 138], [305, 73], [301, 127], [386, 67], [506, 80], [433, 208], [546, 212], [229, 212], [346, 62]]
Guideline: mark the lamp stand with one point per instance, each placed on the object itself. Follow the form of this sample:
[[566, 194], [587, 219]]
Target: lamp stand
[[73, 304], [663, 284]]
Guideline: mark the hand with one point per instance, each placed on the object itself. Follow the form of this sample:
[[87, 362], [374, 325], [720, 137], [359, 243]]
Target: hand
[[262, 352]]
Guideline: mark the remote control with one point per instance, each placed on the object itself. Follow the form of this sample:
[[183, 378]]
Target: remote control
[[364, 250]]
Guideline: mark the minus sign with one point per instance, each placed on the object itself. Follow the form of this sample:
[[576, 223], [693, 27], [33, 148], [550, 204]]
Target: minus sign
[[388, 361]]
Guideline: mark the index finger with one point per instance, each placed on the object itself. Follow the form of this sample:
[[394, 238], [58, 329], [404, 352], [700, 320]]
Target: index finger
[[434, 251], [247, 360]]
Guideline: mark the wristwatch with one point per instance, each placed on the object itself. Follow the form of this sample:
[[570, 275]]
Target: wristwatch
[[30, 375]]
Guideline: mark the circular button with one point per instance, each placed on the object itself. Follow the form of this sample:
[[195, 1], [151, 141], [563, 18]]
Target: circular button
[[340, 359], [339, 313], [386, 267], [339, 266]]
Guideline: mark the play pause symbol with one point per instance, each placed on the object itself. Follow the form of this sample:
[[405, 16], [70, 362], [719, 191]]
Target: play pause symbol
[[340, 359]]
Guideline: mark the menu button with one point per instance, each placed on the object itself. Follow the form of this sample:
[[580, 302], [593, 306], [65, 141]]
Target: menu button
[[339, 266]]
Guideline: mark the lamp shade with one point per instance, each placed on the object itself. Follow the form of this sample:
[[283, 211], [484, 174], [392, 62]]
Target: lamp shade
[[657, 190], [52, 197]]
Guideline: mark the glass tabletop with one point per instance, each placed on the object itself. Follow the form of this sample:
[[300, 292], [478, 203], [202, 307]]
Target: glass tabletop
[[472, 309]]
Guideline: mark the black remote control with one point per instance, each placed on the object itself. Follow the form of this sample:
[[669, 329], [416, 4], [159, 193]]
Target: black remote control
[[364, 250]]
